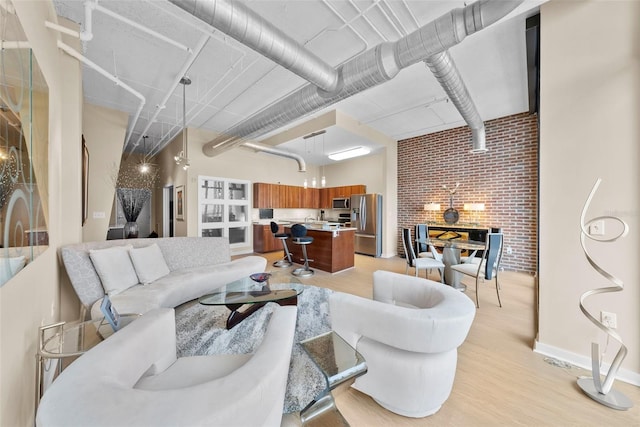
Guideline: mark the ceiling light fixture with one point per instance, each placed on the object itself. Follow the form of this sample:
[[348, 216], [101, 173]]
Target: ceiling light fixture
[[182, 157], [314, 134], [323, 181], [144, 166], [351, 152]]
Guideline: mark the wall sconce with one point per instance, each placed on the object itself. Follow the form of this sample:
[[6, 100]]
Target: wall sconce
[[432, 207], [474, 208]]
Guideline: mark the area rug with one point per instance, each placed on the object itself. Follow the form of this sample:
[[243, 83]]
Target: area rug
[[200, 330]]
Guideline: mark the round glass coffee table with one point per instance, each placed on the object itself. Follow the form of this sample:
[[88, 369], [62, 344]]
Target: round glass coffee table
[[282, 289]]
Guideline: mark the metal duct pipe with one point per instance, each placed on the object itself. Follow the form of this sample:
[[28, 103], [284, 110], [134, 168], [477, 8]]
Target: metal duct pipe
[[243, 24], [302, 166], [369, 69], [446, 72]]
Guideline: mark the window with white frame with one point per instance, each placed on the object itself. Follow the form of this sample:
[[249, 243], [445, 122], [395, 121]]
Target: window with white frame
[[224, 209]]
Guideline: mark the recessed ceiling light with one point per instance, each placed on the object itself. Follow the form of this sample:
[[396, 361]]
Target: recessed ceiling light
[[351, 152]]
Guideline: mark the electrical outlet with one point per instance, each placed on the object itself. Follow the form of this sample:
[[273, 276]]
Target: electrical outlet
[[609, 319], [597, 228], [509, 250]]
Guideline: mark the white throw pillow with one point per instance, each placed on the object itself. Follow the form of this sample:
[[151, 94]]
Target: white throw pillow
[[149, 263], [114, 268], [9, 267]]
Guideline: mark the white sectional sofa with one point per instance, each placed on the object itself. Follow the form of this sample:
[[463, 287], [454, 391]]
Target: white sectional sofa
[[134, 379], [188, 267]]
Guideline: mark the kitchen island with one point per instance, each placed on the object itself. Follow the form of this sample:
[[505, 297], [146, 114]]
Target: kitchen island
[[332, 249]]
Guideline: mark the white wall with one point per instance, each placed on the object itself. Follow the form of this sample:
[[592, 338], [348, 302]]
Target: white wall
[[37, 295], [589, 128], [104, 132]]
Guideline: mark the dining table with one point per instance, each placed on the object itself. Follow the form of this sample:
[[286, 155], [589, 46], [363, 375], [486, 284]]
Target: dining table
[[451, 255]]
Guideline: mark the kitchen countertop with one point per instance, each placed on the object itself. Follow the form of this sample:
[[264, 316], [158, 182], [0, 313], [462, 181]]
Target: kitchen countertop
[[313, 225], [319, 228]]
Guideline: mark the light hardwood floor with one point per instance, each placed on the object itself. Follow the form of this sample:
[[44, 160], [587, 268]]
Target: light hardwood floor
[[499, 379]]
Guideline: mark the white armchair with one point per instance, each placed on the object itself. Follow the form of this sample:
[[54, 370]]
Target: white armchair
[[408, 334], [134, 378]]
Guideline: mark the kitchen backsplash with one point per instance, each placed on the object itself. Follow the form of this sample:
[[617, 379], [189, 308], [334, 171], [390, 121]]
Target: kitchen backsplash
[[299, 214]]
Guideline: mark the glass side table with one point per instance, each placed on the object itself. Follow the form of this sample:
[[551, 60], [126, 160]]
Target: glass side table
[[339, 362], [65, 340]]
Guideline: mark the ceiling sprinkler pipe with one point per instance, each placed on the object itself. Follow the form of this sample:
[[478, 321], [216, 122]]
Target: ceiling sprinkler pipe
[[74, 54], [87, 32]]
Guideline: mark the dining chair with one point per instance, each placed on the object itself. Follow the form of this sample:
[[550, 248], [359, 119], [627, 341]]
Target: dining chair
[[472, 258], [419, 263], [422, 249], [488, 267]]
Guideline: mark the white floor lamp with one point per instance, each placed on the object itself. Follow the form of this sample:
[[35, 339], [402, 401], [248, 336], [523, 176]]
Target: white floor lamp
[[601, 391]]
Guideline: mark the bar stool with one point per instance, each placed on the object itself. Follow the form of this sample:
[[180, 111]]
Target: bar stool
[[299, 233], [286, 260]]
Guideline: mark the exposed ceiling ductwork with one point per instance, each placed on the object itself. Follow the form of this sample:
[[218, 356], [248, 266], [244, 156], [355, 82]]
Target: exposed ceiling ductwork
[[446, 72], [243, 24], [369, 69], [302, 166]]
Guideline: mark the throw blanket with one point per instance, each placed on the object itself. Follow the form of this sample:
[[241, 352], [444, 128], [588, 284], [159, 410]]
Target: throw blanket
[[200, 330]]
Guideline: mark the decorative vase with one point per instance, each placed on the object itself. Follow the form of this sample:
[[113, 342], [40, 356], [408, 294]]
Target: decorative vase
[[131, 230]]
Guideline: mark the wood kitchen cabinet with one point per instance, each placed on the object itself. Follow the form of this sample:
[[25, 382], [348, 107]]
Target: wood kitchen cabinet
[[349, 190], [358, 189], [311, 198], [300, 197], [295, 197], [330, 193], [330, 251], [266, 195], [263, 240], [325, 198]]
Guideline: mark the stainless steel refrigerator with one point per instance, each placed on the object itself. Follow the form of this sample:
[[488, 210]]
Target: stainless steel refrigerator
[[366, 217]]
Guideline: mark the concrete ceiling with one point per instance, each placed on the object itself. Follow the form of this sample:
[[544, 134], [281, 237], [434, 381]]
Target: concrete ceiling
[[230, 82]]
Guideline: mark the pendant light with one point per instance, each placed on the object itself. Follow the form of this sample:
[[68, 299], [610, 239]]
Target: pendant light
[[314, 181], [323, 181], [182, 158], [145, 167]]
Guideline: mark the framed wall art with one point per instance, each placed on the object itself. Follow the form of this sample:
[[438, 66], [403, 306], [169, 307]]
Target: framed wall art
[[180, 201]]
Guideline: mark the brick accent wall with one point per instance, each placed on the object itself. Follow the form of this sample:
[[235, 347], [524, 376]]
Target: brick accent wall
[[505, 179]]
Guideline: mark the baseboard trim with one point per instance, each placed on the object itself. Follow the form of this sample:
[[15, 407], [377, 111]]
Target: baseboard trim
[[584, 362]]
